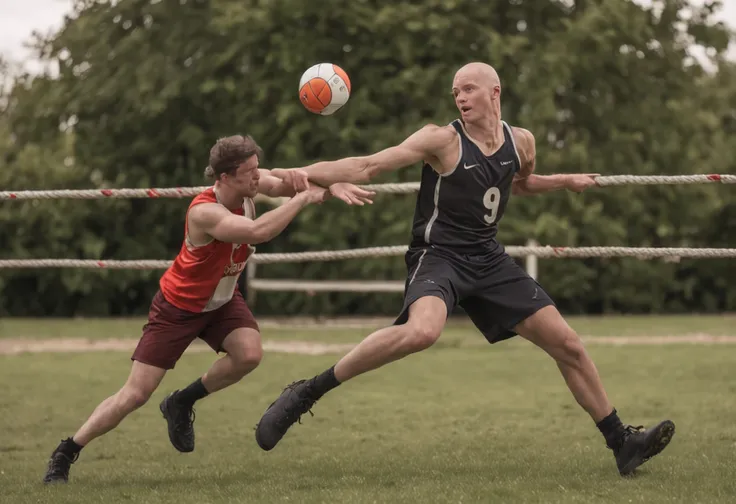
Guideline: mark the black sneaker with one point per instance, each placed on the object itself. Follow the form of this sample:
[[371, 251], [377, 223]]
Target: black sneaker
[[638, 445], [59, 464], [294, 401], [180, 419]]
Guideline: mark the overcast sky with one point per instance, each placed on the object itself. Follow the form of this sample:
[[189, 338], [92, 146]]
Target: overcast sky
[[18, 18]]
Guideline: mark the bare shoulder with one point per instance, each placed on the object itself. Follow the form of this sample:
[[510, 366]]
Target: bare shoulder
[[439, 134], [523, 137], [206, 215], [437, 142], [525, 145], [439, 146]]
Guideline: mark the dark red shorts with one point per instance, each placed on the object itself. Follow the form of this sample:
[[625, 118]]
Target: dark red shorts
[[170, 330]]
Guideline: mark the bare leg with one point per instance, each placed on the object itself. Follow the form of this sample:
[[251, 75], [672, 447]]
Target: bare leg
[[244, 353], [427, 318], [142, 381], [243, 347], [548, 330], [631, 446]]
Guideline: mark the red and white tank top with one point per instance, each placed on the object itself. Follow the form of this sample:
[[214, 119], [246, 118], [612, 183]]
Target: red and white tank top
[[204, 277]]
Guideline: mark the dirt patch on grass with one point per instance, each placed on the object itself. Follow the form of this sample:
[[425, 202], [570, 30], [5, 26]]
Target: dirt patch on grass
[[694, 339], [18, 346], [72, 345]]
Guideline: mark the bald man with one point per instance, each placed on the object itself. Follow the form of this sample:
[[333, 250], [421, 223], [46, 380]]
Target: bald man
[[470, 169]]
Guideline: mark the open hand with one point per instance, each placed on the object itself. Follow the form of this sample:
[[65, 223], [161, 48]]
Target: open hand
[[580, 182], [351, 194]]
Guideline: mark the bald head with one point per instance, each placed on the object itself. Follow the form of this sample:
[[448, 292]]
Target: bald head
[[477, 91], [482, 73]]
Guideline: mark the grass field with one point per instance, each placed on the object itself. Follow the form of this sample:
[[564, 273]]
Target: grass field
[[461, 422]]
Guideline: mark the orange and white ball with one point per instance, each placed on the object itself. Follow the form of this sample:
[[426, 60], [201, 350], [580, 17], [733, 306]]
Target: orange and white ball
[[324, 88]]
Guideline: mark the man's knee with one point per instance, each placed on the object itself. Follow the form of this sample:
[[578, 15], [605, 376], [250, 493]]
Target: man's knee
[[142, 382], [131, 398], [427, 318], [571, 350], [244, 348], [548, 330], [248, 358], [421, 335]]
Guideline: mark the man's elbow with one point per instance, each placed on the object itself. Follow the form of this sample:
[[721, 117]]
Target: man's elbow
[[255, 236], [251, 235]]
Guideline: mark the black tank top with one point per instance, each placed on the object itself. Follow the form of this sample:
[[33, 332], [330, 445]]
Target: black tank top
[[460, 210]]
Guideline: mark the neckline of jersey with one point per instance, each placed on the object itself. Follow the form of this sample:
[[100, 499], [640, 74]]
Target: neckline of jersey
[[475, 142]]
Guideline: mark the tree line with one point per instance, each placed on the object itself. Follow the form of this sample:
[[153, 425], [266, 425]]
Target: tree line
[[144, 88]]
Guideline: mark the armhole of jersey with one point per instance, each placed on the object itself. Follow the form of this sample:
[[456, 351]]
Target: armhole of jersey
[[455, 125], [187, 240], [249, 208], [513, 142]]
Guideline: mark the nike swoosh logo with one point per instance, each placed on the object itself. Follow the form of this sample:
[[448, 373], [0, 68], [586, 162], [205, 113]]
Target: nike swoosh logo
[[471, 166]]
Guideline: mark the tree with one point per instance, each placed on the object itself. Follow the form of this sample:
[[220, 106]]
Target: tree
[[145, 88]]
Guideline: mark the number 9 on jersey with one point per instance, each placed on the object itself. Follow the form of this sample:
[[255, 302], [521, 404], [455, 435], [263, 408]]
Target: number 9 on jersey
[[491, 200]]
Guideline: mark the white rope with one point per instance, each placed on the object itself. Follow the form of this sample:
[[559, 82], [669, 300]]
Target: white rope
[[638, 252], [616, 180], [331, 255], [143, 264], [177, 192], [325, 285], [399, 188]]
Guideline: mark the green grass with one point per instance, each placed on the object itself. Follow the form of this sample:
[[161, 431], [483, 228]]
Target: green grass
[[452, 424], [459, 329]]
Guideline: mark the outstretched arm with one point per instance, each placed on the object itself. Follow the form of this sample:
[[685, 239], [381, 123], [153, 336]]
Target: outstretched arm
[[276, 186], [423, 145], [216, 221], [526, 182]]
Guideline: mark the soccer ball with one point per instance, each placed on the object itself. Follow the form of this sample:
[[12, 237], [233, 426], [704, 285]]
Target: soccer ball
[[324, 88]]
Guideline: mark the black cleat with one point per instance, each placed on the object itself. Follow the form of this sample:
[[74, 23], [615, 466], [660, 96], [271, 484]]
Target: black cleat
[[638, 445], [294, 401], [58, 470], [180, 419]]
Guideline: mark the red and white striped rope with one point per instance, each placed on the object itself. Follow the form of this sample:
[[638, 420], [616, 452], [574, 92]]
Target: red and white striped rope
[[333, 255], [400, 188], [176, 192]]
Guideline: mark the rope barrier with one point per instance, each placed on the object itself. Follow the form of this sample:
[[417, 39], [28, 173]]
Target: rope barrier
[[617, 180], [331, 255], [178, 192], [325, 286], [398, 188]]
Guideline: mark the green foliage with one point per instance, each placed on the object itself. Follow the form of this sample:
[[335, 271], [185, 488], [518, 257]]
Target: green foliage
[[144, 88]]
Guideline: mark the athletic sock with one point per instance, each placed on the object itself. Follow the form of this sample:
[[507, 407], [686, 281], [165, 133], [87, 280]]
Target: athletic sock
[[323, 383], [69, 448], [194, 392], [611, 428]]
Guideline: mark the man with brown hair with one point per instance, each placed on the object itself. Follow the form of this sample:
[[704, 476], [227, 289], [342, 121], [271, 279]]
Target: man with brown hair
[[198, 296]]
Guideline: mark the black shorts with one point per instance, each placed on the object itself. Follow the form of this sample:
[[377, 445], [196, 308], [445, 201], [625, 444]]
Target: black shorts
[[494, 291]]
